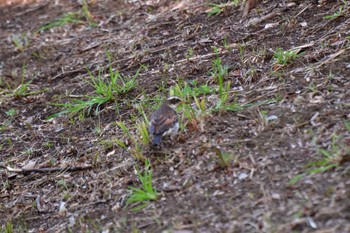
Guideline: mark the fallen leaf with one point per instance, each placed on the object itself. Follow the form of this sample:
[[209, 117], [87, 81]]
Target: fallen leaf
[[30, 165]]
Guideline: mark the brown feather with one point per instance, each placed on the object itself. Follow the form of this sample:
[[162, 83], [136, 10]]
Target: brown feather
[[249, 5]]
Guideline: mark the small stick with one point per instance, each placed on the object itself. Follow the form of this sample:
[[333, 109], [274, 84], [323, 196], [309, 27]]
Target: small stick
[[46, 170]]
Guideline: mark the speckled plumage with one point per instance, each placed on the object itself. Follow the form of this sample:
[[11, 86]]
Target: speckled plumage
[[164, 122]]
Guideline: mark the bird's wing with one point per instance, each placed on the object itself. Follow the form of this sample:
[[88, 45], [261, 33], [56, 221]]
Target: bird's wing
[[164, 121]]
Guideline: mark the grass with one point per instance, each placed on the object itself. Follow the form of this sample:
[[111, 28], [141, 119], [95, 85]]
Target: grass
[[135, 143], [113, 86], [335, 14], [86, 12], [196, 94], [332, 157], [208, 98], [186, 91], [283, 58], [81, 106], [23, 89], [11, 112], [20, 42], [347, 126], [224, 157], [189, 53], [105, 90], [74, 18], [142, 196], [62, 183], [142, 129], [8, 228], [219, 72], [216, 9]]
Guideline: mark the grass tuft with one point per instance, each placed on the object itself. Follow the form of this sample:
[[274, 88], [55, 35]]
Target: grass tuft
[[23, 89], [216, 9], [8, 228], [283, 58], [136, 143], [68, 18], [73, 18], [142, 196], [332, 157], [106, 89]]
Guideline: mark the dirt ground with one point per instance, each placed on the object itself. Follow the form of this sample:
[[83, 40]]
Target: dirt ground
[[287, 140]]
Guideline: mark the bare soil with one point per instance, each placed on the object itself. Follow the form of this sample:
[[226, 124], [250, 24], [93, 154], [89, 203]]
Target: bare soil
[[294, 111]]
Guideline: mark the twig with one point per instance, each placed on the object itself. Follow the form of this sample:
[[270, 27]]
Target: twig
[[332, 57], [266, 17], [38, 204], [66, 73], [46, 170], [32, 9]]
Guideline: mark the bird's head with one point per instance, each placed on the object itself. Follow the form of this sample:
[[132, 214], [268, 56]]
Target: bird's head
[[173, 101]]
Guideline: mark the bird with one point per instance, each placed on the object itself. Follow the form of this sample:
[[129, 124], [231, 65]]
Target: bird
[[249, 5], [164, 120]]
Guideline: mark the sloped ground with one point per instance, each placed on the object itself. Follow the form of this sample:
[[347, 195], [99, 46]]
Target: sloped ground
[[290, 115]]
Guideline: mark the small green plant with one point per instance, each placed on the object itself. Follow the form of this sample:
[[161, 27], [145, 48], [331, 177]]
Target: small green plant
[[216, 9], [6, 185], [11, 112], [23, 89], [295, 179], [142, 128], [62, 183], [73, 18], [142, 196], [219, 72], [192, 116], [331, 158], [184, 91], [196, 113], [284, 57], [189, 53], [142, 113], [347, 126], [21, 42], [81, 106], [66, 195], [136, 142], [113, 86], [86, 12], [242, 51], [324, 164], [8, 228], [68, 18], [224, 157], [201, 106], [223, 96], [107, 90], [335, 15], [220, 8]]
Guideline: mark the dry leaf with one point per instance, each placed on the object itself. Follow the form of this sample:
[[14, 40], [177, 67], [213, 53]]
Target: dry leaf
[[30, 165]]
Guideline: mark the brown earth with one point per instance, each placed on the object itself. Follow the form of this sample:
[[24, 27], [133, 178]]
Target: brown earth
[[290, 114]]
